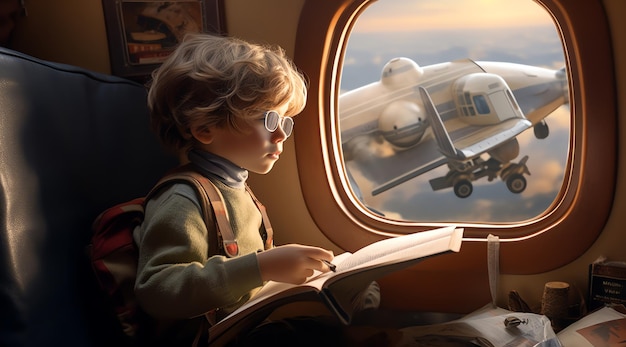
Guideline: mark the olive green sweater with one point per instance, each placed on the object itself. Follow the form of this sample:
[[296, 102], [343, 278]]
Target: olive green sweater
[[177, 279]]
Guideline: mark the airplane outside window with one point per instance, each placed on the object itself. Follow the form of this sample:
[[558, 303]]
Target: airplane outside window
[[436, 110]]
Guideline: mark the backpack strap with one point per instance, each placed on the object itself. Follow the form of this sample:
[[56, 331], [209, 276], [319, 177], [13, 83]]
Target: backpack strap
[[269, 232], [216, 200], [211, 199]]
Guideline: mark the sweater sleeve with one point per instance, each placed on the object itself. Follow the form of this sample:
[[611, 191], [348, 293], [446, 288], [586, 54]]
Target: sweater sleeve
[[176, 279]]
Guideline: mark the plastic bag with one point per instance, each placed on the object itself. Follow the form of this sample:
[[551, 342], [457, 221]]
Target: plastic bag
[[489, 326]]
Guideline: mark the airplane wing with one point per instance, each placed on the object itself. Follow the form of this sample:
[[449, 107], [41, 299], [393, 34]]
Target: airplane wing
[[409, 175], [379, 165]]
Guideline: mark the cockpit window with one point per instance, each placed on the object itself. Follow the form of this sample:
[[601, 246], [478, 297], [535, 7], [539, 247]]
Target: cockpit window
[[446, 108], [481, 104]]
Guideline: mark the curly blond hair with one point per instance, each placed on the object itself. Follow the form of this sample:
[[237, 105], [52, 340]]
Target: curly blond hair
[[219, 81]]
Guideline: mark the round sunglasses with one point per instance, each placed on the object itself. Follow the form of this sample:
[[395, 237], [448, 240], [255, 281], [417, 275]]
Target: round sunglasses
[[273, 120]]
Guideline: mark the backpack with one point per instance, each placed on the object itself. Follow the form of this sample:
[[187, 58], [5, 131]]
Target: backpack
[[114, 254]]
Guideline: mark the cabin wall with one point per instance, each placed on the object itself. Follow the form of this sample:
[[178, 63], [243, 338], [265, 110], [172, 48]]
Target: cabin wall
[[65, 31], [73, 32]]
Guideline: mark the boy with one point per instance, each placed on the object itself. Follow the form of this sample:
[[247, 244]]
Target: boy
[[226, 105]]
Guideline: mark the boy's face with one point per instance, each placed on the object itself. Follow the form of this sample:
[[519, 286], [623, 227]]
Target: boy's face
[[254, 148]]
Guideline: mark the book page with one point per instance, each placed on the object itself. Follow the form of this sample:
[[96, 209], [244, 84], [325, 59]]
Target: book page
[[388, 249], [599, 328], [271, 288], [352, 277]]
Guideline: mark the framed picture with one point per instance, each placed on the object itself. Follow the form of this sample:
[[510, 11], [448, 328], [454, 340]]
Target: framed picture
[[142, 33]]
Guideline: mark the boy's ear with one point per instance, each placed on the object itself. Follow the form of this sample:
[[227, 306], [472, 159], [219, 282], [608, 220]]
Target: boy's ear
[[202, 134]]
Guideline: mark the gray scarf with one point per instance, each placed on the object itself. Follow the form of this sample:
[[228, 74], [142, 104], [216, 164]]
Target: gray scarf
[[220, 168]]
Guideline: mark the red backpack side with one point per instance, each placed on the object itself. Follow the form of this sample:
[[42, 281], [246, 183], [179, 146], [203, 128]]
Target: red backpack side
[[114, 254], [114, 257]]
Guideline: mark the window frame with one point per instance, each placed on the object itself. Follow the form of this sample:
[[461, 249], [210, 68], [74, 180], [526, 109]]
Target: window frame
[[583, 204]]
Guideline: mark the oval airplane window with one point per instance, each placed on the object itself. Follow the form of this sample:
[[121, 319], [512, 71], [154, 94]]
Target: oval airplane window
[[475, 61]]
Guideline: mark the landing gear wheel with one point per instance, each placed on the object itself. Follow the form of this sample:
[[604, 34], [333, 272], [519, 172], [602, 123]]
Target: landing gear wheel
[[463, 189], [541, 130], [516, 183]]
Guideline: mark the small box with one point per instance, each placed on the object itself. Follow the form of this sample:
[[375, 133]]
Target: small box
[[607, 283]]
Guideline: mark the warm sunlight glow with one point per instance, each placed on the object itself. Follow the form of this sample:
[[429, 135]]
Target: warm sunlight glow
[[383, 16]]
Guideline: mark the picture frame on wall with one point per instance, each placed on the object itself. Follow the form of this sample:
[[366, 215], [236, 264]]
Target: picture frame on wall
[[143, 33]]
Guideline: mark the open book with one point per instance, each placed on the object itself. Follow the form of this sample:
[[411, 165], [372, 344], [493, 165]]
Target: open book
[[605, 326], [354, 272]]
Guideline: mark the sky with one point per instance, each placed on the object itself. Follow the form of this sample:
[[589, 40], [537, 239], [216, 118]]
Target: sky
[[435, 31], [410, 15]]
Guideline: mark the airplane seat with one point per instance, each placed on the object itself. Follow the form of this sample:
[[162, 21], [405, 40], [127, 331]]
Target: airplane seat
[[72, 143]]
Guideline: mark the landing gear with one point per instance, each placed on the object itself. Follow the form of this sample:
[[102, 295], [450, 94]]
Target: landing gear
[[513, 175], [463, 188], [460, 177], [541, 130], [516, 183]]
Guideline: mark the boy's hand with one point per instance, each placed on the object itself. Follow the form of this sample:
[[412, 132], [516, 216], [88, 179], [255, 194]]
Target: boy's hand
[[292, 263]]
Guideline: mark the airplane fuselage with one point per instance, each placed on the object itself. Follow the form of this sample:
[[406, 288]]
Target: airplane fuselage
[[392, 107]]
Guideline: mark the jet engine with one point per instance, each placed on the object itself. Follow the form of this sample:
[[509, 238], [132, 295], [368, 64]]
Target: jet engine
[[402, 124], [506, 152]]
